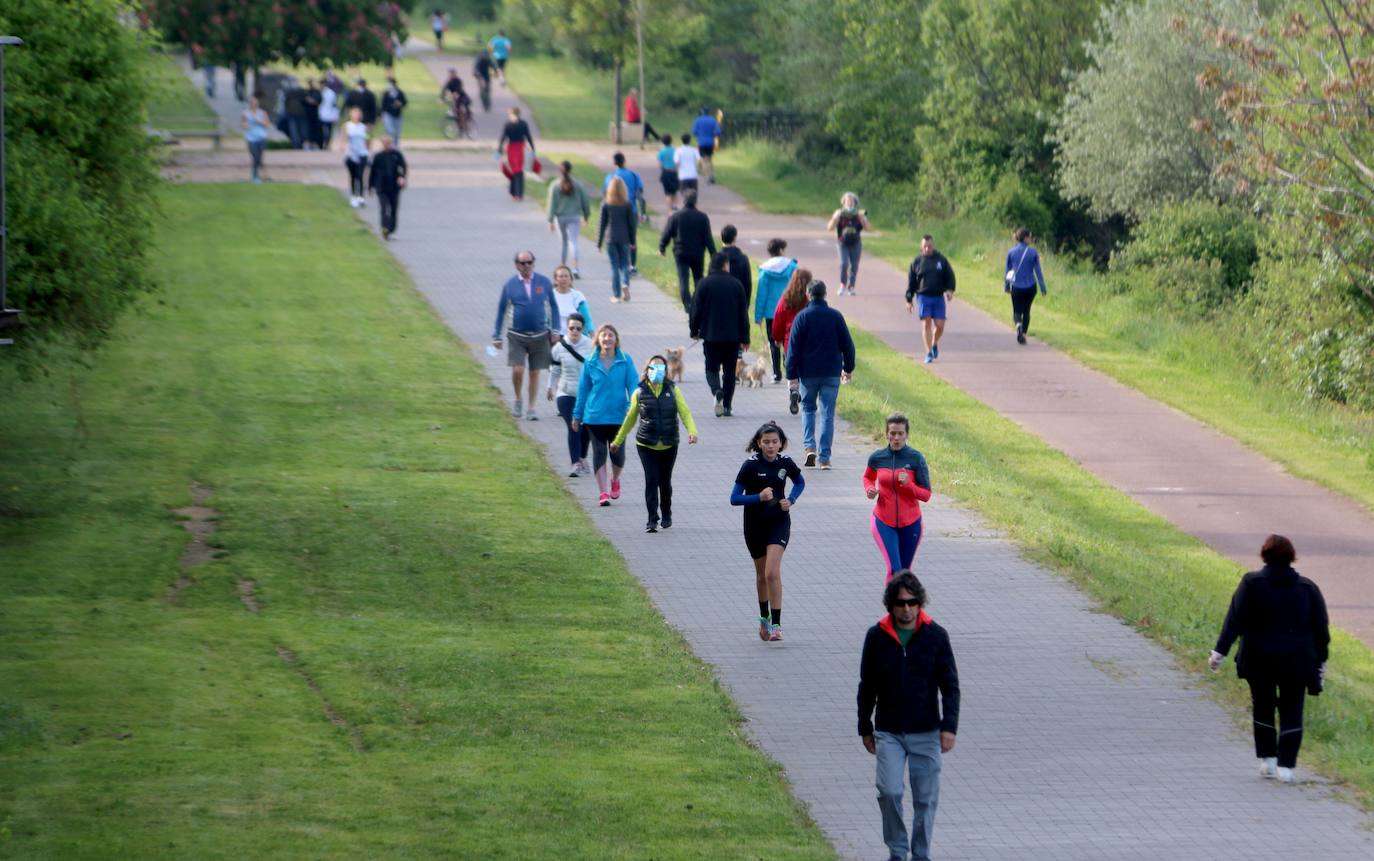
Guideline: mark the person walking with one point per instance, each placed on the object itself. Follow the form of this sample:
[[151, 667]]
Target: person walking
[[930, 280], [820, 357], [387, 178], [515, 136], [568, 208], [297, 122], [774, 274], [760, 486], [1279, 616], [689, 229], [499, 48], [364, 100], [438, 24], [720, 320], [533, 321], [849, 222], [603, 399], [656, 407], [706, 129], [570, 301], [329, 115], [313, 97], [482, 69], [1022, 279], [617, 217], [908, 675], [634, 188], [898, 478], [356, 146], [687, 161], [736, 261], [393, 106], [255, 124], [565, 362], [667, 173]]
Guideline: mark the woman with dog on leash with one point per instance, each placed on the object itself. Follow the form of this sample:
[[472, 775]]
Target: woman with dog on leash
[[759, 487], [655, 409]]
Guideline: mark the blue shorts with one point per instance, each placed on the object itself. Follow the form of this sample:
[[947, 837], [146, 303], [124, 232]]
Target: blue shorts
[[930, 306]]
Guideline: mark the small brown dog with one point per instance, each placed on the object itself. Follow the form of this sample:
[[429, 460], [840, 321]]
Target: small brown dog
[[753, 375], [674, 356]]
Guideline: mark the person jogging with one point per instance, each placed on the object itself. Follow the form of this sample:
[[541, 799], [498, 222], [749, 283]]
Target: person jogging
[[499, 48], [568, 208], [689, 229], [667, 173], [774, 274], [255, 124], [355, 145], [1022, 279], [930, 280], [898, 478], [907, 673], [515, 136], [567, 358], [687, 161], [706, 129], [656, 408], [849, 222], [618, 220], [603, 398], [1280, 618], [760, 486], [438, 23], [387, 178]]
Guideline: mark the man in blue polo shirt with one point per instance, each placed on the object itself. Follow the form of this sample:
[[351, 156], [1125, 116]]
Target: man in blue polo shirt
[[634, 186], [707, 131]]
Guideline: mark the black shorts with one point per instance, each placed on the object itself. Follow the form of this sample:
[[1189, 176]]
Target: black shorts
[[501, 63], [758, 534], [669, 180], [706, 150], [688, 183]]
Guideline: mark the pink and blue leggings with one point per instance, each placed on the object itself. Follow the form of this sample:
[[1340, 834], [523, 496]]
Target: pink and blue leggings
[[897, 544]]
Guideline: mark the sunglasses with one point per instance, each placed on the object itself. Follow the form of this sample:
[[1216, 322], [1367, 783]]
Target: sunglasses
[[524, 263], [906, 602]]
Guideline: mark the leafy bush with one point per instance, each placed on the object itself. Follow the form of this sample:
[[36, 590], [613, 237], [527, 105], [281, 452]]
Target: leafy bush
[[1196, 233], [1014, 203], [82, 176], [1338, 365]]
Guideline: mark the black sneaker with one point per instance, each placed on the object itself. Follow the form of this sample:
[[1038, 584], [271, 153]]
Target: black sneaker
[[651, 526], [727, 413], [666, 522], [794, 402], [1020, 334]]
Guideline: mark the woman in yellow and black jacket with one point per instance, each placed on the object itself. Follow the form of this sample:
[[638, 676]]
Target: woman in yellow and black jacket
[[655, 409]]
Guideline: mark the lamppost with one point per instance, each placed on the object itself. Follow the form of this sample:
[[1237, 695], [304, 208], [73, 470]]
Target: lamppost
[[8, 316]]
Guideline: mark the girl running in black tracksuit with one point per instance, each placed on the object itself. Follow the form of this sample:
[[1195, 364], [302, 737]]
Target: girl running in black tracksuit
[[767, 524]]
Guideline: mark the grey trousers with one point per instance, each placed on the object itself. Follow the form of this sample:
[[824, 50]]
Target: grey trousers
[[920, 754]]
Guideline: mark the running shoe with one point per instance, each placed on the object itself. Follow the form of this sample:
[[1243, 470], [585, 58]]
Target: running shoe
[[935, 351], [765, 628], [720, 405], [517, 408], [1269, 767], [604, 500], [651, 526], [727, 412], [777, 378], [666, 522], [775, 635], [930, 356], [634, 270], [575, 472], [810, 458], [825, 464], [793, 402], [615, 300], [1286, 775], [530, 415], [1020, 334], [583, 468], [615, 488]]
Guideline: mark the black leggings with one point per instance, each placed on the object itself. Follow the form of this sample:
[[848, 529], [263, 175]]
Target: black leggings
[[1284, 740], [601, 439], [1021, 300], [355, 177], [658, 479], [578, 440]]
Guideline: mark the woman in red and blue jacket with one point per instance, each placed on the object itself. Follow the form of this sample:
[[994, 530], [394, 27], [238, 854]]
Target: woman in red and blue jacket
[[898, 478]]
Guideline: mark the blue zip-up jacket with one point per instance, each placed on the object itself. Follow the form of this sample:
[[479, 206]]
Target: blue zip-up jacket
[[536, 313], [820, 345], [1027, 270], [706, 130], [774, 274], [633, 184], [603, 395]]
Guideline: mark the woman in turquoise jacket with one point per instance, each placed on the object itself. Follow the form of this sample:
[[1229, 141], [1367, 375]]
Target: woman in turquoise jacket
[[774, 274], [603, 399]]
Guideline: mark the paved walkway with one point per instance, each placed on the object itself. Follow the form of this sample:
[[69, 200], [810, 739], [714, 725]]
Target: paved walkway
[[1078, 739]]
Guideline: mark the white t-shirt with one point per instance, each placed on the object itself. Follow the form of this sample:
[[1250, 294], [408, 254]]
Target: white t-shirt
[[564, 376], [357, 141], [567, 304], [329, 106], [686, 158]]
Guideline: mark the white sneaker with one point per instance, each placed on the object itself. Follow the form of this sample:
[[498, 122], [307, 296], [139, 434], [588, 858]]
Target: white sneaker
[[1285, 775], [1269, 766], [517, 407], [353, 202]]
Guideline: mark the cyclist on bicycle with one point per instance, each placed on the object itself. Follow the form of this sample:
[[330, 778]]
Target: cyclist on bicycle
[[460, 106]]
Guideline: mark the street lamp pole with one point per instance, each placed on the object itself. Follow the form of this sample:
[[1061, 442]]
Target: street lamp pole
[[8, 316]]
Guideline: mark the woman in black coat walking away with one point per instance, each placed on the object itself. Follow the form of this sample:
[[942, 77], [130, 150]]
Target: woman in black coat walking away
[[1280, 618]]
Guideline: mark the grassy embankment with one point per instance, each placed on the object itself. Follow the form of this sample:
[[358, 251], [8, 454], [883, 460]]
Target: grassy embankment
[[1142, 569], [174, 102], [493, 690]]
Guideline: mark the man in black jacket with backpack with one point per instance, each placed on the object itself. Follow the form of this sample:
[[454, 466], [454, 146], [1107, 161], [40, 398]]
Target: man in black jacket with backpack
[[689, 229], [908, 673]]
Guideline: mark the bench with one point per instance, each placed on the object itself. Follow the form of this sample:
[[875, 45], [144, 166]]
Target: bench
[[174, 132], [629, 132]]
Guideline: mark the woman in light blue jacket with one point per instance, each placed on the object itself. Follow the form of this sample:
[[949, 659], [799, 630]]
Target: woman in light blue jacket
[[603, 399], [774, 275]]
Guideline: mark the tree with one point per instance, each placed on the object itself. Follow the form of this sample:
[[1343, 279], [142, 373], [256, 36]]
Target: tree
[[82, 179], [1135, 129]]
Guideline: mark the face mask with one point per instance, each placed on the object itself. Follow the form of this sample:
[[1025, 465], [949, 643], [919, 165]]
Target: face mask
[[656, 373]]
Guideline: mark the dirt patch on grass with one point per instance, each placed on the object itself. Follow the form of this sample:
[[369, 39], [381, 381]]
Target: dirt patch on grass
[[354, 734], [248, 595], [199, 519]]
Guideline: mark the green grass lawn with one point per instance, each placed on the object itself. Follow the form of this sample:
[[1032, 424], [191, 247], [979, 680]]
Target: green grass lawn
[[1141, 569], [1193, 366], [571, 102], [174, 102], [508, 688]]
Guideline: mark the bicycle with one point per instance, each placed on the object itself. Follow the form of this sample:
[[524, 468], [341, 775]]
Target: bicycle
[[457, 124], [484, 90]]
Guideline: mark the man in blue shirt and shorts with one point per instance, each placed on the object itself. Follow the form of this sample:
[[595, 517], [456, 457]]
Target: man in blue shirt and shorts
[[707, 131], [931, 281]]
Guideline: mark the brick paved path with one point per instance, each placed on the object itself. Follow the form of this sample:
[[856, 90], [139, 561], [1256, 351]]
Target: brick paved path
[[1079, 740]]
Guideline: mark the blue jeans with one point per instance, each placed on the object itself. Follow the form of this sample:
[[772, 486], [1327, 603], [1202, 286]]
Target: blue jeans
[[392, 125], [619, 252], [920, 753], [828, 389], [849, 262], [299, 130]]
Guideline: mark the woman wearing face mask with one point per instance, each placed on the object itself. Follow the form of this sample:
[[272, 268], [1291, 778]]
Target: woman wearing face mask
[[603, 398], [897, 476], [655, 409], [759, 487]]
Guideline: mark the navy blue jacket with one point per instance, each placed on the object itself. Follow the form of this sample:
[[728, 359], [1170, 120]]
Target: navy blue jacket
[[819, 345], [537, 312]]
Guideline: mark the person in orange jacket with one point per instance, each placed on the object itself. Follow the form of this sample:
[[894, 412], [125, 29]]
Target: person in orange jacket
[[898, 478]]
